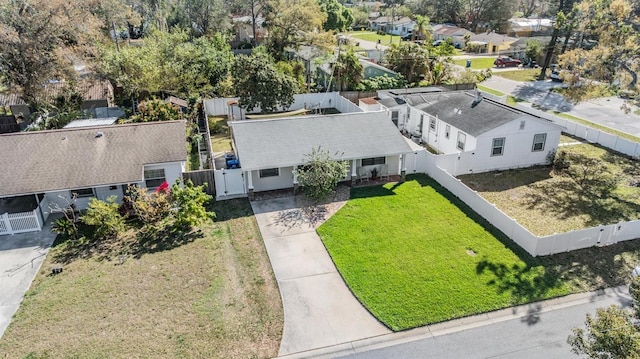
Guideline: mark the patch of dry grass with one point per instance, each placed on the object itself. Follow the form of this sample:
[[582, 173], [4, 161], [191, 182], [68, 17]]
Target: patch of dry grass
[[212, 296], [596, 189]]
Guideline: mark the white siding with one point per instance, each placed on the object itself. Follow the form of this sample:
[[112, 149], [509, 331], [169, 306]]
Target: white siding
[[172, 170], [102, 193], [283, 180], [518, 146]]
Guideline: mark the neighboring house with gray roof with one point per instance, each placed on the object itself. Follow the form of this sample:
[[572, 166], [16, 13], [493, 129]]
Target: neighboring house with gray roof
[[497, 136], [269, 150], [40, 170]]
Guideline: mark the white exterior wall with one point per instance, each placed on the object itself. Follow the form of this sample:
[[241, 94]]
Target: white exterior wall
[[172, 171], [518, 146], [392, 162], [402, 115], [437, 138], [103, 193], [283, 180], [369, 107]]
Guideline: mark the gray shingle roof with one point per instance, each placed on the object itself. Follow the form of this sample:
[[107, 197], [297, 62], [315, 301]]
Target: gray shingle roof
[[390, 102], [32, 162], [457, 109], [285, 142]]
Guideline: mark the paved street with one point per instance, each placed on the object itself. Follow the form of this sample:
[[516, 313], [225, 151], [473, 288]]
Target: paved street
[[532, 335], [604, 111]]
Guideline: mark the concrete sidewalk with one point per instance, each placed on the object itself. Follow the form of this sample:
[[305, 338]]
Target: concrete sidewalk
[[525, 313], [319, 310]]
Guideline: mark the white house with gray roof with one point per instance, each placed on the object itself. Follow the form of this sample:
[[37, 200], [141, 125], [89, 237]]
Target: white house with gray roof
[[41, 171], [492, 136], [269, 150]]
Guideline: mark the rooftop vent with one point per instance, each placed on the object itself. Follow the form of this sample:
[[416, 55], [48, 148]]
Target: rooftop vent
[[99, 134]]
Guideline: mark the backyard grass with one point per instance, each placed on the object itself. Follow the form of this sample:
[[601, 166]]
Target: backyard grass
[[479, 63], [374, 37], [521, 75], [490, 90], [209, 294], [595, 189], [414, 254], [220, 137]]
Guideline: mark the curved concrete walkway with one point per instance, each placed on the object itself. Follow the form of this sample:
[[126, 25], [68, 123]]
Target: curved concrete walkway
[[319, 309]]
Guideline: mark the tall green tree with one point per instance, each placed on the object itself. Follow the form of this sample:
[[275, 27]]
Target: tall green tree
[[533, 49], [201, 17], [292, 24], [168, 63], [420, 28], [258, 83], [611, 333], [347, 70], [321, 173], [38, 39], [417, 63], [615, 59], [339, 17]]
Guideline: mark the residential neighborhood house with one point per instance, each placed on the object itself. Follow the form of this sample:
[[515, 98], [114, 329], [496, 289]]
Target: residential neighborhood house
[[400, 26], [490, 43], [42, 171]]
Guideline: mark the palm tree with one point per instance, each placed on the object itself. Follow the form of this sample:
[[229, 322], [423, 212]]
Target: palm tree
[[420, 28]]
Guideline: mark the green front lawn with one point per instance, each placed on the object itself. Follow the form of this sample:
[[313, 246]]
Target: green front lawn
[[414, 254], [374, 37], [521, 75], [478, 63]]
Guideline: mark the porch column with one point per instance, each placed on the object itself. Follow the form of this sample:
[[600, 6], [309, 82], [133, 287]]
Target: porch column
[[295, 180], [249, 175], [354, 172], [403, 168]]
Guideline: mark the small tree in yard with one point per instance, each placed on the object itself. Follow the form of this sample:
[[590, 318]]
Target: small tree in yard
[[190, 202], [612, 332], [104, 217], [321, 174]]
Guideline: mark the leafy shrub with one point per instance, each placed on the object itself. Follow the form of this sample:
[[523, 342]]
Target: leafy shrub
[[148, 208], [104, 217], [190, 203]]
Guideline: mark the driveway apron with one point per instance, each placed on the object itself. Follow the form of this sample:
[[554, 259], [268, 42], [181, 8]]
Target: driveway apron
[[21, 256], [319, 309]]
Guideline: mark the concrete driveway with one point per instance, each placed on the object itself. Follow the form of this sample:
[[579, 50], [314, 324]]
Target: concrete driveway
[[21, 256], [319, 309]]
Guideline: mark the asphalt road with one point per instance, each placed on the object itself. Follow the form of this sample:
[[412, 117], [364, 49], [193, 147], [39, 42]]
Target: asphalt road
[[604, 111], [539, 335]]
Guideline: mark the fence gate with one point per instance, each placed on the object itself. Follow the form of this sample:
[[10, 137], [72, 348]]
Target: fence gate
[[230, 183], [201, 177]]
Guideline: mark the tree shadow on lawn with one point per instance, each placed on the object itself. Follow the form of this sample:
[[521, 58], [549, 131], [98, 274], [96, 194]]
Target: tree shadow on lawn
[[583, 189], [505, 180], [142, 241], [581, 270], [373, 191], [230, 209]]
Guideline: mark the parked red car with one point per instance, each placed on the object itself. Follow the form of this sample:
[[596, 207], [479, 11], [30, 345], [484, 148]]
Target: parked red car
[[506, 61]]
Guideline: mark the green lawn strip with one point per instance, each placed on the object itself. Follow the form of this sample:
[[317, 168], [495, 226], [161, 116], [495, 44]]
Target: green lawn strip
[[413, 254], [213, 296], [478, 63], [374, 37], [489, 90], [521, 75], [598, 126]]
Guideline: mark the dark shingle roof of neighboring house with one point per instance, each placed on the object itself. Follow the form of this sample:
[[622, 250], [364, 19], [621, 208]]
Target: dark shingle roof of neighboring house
[[90, 90], [285, 142], [39, 161], [458, 110], [451, 30]]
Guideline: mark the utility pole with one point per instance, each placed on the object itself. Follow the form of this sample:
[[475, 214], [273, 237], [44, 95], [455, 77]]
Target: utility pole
[[551, 46]]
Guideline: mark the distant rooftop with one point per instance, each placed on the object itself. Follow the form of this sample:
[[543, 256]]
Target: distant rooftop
[[92, 122]]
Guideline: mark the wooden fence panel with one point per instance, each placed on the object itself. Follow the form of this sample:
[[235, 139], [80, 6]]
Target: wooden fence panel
[[201, 177]]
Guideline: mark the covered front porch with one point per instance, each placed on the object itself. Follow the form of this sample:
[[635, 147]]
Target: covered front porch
[[21, 214]]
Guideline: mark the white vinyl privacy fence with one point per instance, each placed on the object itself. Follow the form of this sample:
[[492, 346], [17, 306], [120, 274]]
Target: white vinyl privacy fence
[[440, 167]]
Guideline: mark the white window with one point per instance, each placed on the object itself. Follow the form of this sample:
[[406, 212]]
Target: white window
[[394, 117], [83, 192], [374, 161], [154, 178], [462, 138], [421, 123], [432, 125], [270, 172], [497, 149], [538, 142], [447, 131]]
